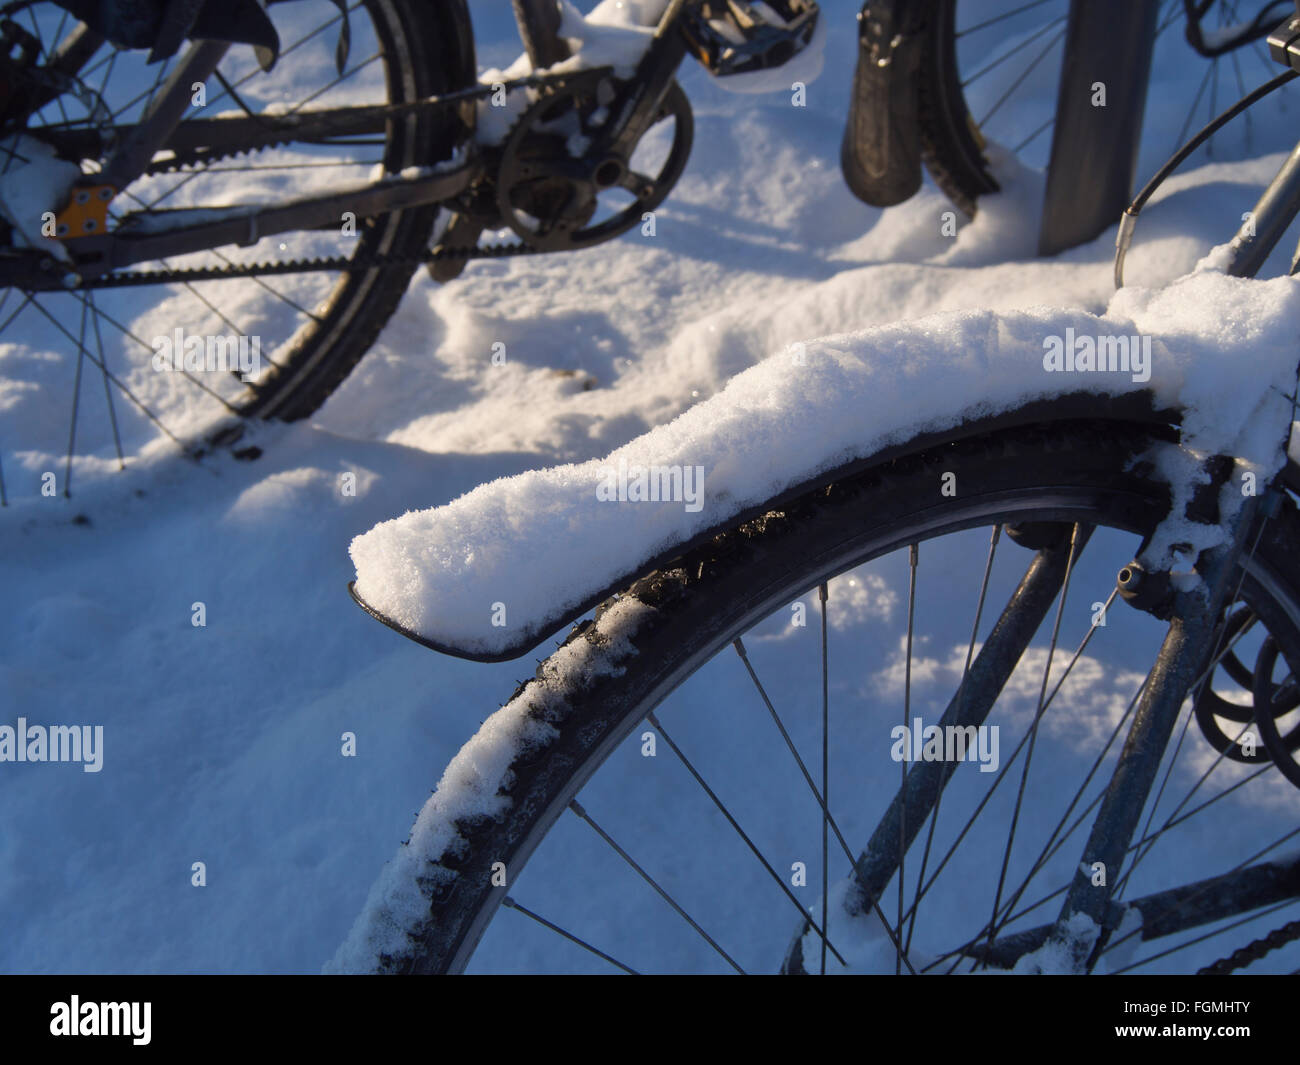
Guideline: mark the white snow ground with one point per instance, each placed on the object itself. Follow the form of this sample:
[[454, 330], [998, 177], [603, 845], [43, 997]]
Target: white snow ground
[[222, 743]]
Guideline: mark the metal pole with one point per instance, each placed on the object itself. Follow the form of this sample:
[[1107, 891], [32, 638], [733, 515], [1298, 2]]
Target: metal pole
[[1108, 45]]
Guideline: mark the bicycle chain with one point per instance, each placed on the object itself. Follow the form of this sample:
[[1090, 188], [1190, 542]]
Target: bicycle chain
[[278, 138], [357, 264], [353, 264], [1279, 937]]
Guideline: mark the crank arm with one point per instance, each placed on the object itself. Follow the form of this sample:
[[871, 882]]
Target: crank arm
[[639, 108]]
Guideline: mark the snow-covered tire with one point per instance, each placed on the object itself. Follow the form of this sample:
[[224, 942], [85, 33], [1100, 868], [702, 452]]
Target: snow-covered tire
[[615, 669]]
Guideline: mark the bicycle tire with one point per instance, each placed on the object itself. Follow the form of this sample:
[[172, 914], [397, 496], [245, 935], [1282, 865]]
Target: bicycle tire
[[604, 680], [434, 44], [951, 146], [317, 331]]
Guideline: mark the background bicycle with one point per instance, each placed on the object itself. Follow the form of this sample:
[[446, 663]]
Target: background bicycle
[[986, 73]]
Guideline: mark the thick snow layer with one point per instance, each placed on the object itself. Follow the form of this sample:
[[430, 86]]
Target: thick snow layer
[[493, 569]]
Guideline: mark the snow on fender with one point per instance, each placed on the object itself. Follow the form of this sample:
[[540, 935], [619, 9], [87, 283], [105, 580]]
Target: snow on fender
[[490, 574]]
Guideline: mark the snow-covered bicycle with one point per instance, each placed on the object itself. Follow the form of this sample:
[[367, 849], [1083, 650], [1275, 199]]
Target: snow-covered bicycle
[[985, 660]]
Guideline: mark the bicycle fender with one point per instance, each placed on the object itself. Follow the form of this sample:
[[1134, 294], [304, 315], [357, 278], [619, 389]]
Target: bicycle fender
[[881, 151]]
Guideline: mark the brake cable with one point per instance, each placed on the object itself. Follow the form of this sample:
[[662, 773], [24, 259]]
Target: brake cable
[[1128, 220]]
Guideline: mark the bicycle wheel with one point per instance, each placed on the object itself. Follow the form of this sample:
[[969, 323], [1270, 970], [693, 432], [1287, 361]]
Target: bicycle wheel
[[307, 329], [989, 74], [723, 825]]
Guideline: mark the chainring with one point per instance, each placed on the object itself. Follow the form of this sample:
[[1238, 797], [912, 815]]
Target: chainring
[[553, 170]]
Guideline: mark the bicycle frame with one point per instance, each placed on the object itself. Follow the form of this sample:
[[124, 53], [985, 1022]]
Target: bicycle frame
[[1264, 226], [161, 128]]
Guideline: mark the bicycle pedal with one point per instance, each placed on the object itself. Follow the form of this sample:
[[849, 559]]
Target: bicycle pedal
[[462, 232], [739, 37]]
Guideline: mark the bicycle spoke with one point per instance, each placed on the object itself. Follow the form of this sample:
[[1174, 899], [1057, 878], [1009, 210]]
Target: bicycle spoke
[[739, 646], [1058, 838], [120, 384], [998, 18], [1174, 7], [103, 371], [1050, 123], [45, 52], [826, 917], [1191, 112], [140, 342], [1015, 628], [1208, 802], [511, 904], [820, 930], [337, 81], [576, 808], [1147, 842], [1007, 55], [1078, 538], [961, 687], [1023, 75], [1242, 91], [256, 71], [147, 94], [76, 402], [912, 558]]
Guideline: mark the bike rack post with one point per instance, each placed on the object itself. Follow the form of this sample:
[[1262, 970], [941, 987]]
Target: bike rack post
[[1094, 148]]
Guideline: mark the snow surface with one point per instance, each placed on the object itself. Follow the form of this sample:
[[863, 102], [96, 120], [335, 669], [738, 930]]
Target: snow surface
[[222, 743], [543, 542]]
